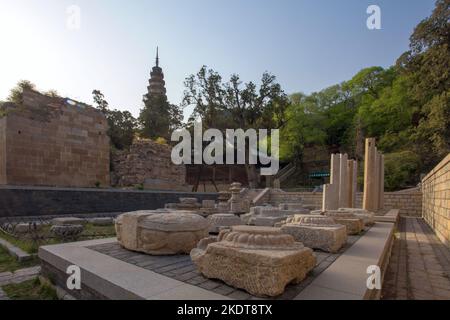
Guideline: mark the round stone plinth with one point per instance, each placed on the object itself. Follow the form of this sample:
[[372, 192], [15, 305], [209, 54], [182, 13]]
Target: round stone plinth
[[161, 232]]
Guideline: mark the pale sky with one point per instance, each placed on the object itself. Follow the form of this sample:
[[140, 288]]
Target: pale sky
[[307, 44]]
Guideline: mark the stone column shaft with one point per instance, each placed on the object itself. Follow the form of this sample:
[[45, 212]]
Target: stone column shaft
[[370, 187], [343, 182], [330, 200], [352, 173]]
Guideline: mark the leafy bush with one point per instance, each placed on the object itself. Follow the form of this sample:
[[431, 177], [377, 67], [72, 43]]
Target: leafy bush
[[401, 169]]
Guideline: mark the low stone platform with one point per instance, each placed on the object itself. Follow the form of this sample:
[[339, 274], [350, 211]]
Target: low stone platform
[[110, 272]]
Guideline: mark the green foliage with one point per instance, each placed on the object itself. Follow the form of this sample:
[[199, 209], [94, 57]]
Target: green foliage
[[305, 126], [161, 140], [159, 118], [30, 290], [234, 104], [9, 263], [15, 95], [122, 125], [406, 107], [401, 170]]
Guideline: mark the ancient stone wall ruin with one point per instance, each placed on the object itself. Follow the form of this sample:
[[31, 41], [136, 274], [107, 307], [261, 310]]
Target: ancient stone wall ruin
[[53, 141], [147, 164]]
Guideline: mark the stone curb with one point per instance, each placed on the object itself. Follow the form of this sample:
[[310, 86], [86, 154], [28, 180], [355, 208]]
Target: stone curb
[[16, 252]]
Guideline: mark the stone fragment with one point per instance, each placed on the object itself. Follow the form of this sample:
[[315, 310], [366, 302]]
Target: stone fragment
[[268, 216], [103, 221], [22, 228], [354, 224], [260, 260], [292, 206], [161, 232], [317, 232], [208, 204], [236, 204], [367, 216], [221, 220], [184, 204], [67, 231], [68, 220]]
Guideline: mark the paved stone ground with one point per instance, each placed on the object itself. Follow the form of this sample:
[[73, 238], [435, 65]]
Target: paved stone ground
[[419, 268], [17, 277], [181, 268]]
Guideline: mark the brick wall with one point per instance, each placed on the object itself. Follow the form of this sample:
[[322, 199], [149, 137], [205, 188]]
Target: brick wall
[[50, 141], [409, 203], [436, 199]]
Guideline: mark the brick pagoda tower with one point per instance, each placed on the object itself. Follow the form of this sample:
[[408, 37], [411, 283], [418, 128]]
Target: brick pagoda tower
[[157, 84]]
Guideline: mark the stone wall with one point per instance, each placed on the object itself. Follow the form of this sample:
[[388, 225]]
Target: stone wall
[[436, 200], [39, 201], [52, 141], [149, 164], [409, 203]]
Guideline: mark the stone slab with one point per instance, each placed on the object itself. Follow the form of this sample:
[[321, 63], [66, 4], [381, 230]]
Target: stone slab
[[346, 278], [16, 252], [115, 279]]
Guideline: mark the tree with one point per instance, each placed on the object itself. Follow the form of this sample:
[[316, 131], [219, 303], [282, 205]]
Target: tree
[[304, 127], [159, 118], [428, 64], [234, 104], [122, 125], [15, 95]]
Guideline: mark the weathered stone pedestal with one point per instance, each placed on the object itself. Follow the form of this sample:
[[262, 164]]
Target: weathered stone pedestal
[[317, 232], [184, 204], [367, 216], [259, 260], [268, 216], [354, 224], [222, 220], [296, 208], [161, 232]]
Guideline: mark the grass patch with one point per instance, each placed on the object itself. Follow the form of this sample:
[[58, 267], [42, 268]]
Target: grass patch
[[31, 246], [9, 263], [30, 290]]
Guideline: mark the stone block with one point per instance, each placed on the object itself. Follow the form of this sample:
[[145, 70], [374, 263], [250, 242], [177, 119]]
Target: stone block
[[260, 260], [67, 231], [222, 220], [354, 224], [68, 220], [103, 221], [317, 232]]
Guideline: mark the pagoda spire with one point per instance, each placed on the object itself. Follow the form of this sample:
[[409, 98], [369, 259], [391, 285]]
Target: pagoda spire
[[157, 56]]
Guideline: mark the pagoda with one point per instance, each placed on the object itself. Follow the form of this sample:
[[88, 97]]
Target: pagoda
[[156, 87]]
